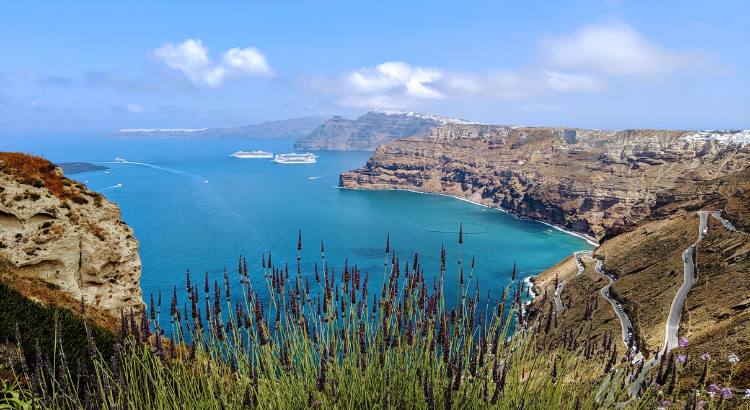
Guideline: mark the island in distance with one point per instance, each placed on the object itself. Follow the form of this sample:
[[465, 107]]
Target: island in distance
[[71, 168], [291, 128]]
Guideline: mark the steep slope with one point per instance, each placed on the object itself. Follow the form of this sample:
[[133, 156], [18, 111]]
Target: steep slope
[[595, 182], [60, 242], [370, 130], [649, 264]]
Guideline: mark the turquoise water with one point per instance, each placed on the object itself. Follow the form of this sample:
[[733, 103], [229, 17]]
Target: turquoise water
[[193, 207]]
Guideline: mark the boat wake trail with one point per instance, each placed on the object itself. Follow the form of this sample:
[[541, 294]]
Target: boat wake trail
[[111, 187], [157, 167], [319, 176]]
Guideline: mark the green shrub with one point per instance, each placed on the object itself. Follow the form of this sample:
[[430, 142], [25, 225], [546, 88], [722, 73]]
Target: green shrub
[[36, 323]]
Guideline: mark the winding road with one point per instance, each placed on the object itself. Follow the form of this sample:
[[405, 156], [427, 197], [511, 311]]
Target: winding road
[[581, 267], [579, 263], [675, 310], [558, 303], [626, 327], [728, 225]]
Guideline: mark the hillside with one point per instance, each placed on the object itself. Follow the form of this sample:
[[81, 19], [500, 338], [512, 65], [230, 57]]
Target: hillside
[[641, 193], [371, 129], [61, 243], [647, 264]]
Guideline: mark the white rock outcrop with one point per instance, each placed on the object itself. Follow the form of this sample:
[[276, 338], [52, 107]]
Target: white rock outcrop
[[72, 242]]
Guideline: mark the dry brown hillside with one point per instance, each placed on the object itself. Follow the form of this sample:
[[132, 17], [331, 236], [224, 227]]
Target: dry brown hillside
[[648, 264]]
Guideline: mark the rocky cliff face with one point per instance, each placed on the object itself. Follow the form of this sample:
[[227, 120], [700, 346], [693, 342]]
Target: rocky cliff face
[[370, 130], [600, 183], [60, 242]]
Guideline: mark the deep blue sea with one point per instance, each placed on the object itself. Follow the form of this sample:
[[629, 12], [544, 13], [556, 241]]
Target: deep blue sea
[[194, 207]]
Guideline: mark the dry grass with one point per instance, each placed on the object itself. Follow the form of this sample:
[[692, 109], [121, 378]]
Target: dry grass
[[37, 171]]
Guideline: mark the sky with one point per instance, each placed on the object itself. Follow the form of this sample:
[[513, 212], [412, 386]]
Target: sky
[[96, 67]]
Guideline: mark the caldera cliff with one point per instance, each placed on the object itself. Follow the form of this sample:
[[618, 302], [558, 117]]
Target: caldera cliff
[[595, 182], [61, 243]]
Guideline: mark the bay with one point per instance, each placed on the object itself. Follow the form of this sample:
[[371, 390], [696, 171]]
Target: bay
[[194, 207]]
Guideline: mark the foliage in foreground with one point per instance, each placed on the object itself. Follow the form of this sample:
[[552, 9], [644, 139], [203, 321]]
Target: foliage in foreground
[[323, 339], [37, 324]]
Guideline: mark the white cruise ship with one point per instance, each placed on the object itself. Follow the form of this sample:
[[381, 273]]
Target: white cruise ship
[[252, 154], [294, 158]]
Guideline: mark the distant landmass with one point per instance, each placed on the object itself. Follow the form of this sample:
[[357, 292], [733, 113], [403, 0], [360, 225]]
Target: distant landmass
[[293, 129], [372, 129], [70, 168]]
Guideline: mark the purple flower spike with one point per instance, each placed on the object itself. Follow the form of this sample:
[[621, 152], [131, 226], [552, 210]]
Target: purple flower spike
[[726, 393], [706, 357], [681, 358], [682, 342]]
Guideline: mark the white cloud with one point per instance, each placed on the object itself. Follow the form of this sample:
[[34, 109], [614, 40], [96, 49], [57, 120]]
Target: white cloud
[[580, 62], [134, 108], [517, 84], [613, 48], [565, 82], [396, 84], [192, 60], [396, 77]]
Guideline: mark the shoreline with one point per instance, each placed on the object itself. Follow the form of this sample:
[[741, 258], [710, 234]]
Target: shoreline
[[529, 281], [590, 240]]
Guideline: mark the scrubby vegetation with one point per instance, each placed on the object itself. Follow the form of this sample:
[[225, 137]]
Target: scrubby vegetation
[[39, 324], [321, 338], [34, 171], [40, 173]]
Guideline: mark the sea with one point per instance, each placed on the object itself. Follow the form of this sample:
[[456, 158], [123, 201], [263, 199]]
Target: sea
[[193, 207]]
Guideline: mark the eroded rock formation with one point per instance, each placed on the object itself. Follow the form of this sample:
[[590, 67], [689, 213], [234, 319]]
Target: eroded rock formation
[[60, 242]]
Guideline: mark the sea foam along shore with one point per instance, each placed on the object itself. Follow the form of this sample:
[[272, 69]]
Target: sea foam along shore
[[529, 281], [590, 240]]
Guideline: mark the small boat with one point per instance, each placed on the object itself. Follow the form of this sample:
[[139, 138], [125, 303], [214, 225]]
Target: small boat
[[252, 154], [294, 158], [118, 159]]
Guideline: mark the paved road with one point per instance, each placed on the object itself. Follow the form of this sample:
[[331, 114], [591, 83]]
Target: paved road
[[688, 261], [626, 327], [579, 263], [727, 224], [558, 303], [675, 310]]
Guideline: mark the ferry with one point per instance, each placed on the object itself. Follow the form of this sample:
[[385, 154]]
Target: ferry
[[252, 154], [294, 158]]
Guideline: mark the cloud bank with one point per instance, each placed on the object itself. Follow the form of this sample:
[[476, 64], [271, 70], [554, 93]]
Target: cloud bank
[[613, 48], [580, 62], [191, 59]]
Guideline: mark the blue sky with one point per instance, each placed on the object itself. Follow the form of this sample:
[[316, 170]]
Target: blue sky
[[100, 66]]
